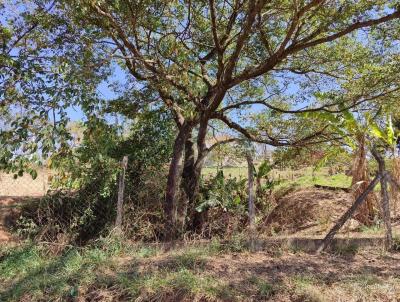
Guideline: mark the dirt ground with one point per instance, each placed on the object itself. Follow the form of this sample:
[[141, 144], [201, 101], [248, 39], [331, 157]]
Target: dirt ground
[[368, 275], [23, 186], [8, 213], [273, 274]]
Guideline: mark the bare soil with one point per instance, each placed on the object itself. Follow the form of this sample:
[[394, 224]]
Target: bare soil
[[8, 213]]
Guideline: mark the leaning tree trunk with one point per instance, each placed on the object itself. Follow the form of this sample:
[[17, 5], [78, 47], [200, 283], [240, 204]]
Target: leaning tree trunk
[[385, 202], [342, 220], [360, 181], [173, 180]]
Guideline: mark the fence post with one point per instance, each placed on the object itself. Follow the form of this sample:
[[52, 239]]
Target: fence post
[[121, 188], [251, 207]]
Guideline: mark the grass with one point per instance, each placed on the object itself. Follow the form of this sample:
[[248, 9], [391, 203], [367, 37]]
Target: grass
[[373, 229], [32, 269], [303, 178], [35, 271], [116, 270], [264, 288], [238, 172], [307, 288], [321, 177]]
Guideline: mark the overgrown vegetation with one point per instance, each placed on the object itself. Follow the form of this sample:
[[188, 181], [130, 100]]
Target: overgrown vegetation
[[249, 125]]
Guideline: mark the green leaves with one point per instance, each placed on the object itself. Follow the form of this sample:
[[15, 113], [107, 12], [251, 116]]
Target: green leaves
[[385, 134], [375, 131], [226, 193], [264, 169], [390, 131]]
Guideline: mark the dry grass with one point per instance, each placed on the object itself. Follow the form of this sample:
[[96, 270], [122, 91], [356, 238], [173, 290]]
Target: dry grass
[[360, 180], [308, 211], [116, 272]]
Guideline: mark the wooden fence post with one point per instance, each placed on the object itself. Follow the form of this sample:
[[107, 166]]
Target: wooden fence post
[[251, 207], [121, 189]]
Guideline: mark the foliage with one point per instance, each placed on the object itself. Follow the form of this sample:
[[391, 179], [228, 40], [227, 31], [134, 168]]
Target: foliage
[[350, 126], [189, 65], [263, 180], [319, 155], [147, 142], [85, 181], [75, 217], [44, 71], [226, 193]]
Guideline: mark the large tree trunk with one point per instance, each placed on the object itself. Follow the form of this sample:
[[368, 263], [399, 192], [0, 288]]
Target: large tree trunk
[[174, 174], [190, 182], [360, 181], [191, 186], [191, 177]]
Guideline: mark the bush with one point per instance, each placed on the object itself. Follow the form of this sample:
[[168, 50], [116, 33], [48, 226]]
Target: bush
[[83, 204]]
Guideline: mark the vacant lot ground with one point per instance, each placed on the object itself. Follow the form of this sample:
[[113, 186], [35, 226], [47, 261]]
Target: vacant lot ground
[[111, 271]]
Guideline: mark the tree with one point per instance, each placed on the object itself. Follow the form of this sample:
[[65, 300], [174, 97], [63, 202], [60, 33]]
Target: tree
[[206, 60], [46, 67]]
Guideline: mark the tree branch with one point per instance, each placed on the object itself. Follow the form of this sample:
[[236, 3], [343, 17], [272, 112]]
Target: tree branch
[[271, 141], [347, 30], [272, 61]]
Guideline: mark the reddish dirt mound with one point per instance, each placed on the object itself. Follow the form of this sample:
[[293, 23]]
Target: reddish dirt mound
[[308, 211]]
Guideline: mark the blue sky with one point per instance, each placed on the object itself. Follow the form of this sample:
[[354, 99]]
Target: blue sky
[[104, 90]]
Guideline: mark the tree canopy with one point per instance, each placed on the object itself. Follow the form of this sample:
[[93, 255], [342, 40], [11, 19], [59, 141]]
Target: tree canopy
[[204, 61]]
